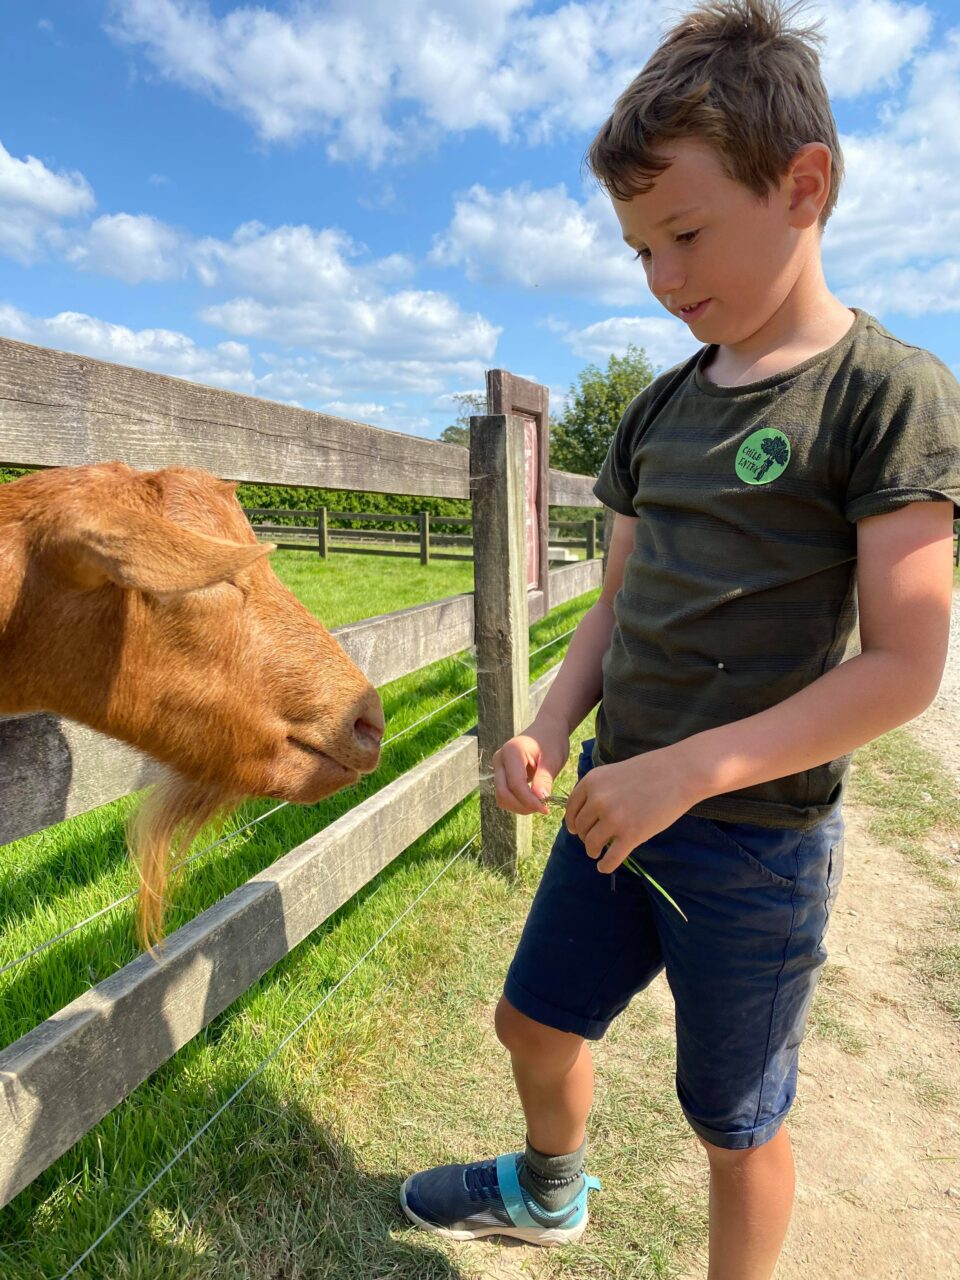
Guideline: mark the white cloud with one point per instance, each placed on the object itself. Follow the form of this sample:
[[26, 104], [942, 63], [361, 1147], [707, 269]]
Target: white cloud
[[666, 342], [405, 326], [359, 411], [890, 246], [887, 246], [912, 291], [378, 78], [34, 201], [542, 239], [868, 42], [318, 289], [228, 364], [131, 247], [293, 263]]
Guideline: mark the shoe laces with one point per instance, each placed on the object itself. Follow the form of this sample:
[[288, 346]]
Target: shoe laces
[[481, 1181]]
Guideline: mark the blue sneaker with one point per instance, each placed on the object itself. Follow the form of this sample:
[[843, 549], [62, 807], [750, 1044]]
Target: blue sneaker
[[467, 1201]]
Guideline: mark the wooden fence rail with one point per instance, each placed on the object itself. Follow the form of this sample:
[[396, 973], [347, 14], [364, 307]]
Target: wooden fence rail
[[56, 409], [270, 523]]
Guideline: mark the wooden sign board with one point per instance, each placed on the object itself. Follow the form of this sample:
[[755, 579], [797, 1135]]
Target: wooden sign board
[[506, 393]]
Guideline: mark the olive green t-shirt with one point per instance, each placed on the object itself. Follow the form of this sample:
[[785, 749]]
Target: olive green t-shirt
[[740, 589]]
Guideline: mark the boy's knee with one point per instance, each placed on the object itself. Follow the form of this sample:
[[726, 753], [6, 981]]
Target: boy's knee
[[724, 1158], [526, 1038]]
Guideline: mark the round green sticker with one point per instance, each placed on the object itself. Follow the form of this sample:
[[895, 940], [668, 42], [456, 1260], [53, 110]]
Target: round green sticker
[[763, 456]]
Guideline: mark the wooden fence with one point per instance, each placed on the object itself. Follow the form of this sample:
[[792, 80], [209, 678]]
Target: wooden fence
[[57, 409], [321, 538]]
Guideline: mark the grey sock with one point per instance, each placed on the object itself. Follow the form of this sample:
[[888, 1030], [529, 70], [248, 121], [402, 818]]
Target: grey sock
[[553, 1181]]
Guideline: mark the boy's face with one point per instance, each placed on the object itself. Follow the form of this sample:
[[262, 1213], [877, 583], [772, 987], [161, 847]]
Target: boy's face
[[732, 251]]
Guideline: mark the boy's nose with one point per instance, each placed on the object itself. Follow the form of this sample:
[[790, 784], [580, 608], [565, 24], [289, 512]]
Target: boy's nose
[[666, 279]]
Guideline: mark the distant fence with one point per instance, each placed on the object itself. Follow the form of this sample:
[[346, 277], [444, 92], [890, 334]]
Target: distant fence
[[321, 537], [56, 409]]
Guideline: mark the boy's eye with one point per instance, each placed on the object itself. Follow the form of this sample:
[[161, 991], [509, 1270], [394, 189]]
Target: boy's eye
[[686, 237]]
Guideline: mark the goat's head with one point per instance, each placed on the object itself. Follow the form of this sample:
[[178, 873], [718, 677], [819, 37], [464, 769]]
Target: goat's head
[[147, 609]]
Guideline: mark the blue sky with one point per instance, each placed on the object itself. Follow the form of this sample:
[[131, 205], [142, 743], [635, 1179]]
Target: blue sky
[[360, 206]]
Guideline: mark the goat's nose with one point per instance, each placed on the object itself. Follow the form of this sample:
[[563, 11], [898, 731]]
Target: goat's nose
[[368, 732], [369, 725]]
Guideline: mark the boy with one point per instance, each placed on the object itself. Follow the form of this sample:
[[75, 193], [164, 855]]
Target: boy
[[802, 457]]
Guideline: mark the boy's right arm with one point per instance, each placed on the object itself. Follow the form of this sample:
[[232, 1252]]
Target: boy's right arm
[[524, 768]]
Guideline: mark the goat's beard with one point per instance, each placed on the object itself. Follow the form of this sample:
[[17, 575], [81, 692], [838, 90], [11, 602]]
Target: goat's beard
[[160, 832]]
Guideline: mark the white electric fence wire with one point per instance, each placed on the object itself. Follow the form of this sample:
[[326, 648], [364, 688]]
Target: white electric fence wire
[[28, 955], [262, 1065]]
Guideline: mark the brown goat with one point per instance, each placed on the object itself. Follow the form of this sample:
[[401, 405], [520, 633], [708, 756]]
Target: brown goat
[[141, 604]]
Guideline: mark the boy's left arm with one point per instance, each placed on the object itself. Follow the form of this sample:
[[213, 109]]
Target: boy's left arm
[[904, 585]]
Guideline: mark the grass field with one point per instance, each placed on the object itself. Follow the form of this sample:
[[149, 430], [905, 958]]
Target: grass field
[[56, 878], [396, 1066]]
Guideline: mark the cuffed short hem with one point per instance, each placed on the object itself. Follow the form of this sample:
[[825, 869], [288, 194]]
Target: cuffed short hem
[[736, 1139], [550, 1015]]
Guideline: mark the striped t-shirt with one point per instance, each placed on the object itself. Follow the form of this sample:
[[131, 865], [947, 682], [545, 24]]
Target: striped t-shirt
[[740, 589]]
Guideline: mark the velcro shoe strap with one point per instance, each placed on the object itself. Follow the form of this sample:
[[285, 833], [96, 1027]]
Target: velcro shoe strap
[[511, 1193]]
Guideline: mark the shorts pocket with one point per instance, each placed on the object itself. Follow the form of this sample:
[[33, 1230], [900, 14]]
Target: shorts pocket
[[834, 876], [726, 837]]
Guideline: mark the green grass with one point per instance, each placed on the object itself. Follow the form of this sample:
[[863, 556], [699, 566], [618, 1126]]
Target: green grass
[[299, 1176]]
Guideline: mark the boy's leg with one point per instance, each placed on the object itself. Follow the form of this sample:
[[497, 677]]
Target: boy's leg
[[743, 972], [588, 945], [751, 1196], [553, 1071]]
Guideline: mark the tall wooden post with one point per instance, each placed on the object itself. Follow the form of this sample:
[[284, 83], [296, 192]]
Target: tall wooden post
[[590, 529], [322, 545], [500, 619]]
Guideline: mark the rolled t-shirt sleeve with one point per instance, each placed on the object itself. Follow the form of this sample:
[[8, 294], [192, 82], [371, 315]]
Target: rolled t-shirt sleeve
[[908, 445], [616, 485]]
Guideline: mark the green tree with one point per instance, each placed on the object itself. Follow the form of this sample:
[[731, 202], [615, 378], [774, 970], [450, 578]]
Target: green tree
[[471, 403], [580, 437]]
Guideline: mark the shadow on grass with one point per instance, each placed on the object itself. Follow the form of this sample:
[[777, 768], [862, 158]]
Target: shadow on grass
[[266, 1192], [71, 857]]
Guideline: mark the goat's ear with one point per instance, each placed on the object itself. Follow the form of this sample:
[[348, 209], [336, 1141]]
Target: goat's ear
[[144, 552]]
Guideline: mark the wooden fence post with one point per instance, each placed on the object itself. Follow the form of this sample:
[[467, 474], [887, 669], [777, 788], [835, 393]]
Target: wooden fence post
[[322, 545], [424, 519], [500, 619], [591, 532]]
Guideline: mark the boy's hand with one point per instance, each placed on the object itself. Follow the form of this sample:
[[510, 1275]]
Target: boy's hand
[[618, 806], [524, 768]]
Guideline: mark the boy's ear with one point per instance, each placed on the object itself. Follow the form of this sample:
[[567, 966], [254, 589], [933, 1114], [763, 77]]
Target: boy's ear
[[808, 183]]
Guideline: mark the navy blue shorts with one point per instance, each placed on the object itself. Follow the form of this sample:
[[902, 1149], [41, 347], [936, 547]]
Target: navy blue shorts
[[742, 970]]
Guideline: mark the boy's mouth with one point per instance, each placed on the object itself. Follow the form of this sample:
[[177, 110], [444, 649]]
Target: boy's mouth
[[694, 312]]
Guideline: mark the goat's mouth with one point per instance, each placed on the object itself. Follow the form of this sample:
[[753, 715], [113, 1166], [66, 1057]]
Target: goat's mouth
[[349, 774]]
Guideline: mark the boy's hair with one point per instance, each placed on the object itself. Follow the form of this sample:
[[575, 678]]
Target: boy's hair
[[733, 74]]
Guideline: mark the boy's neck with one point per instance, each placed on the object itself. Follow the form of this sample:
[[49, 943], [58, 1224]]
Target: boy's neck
[[801, 327]]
